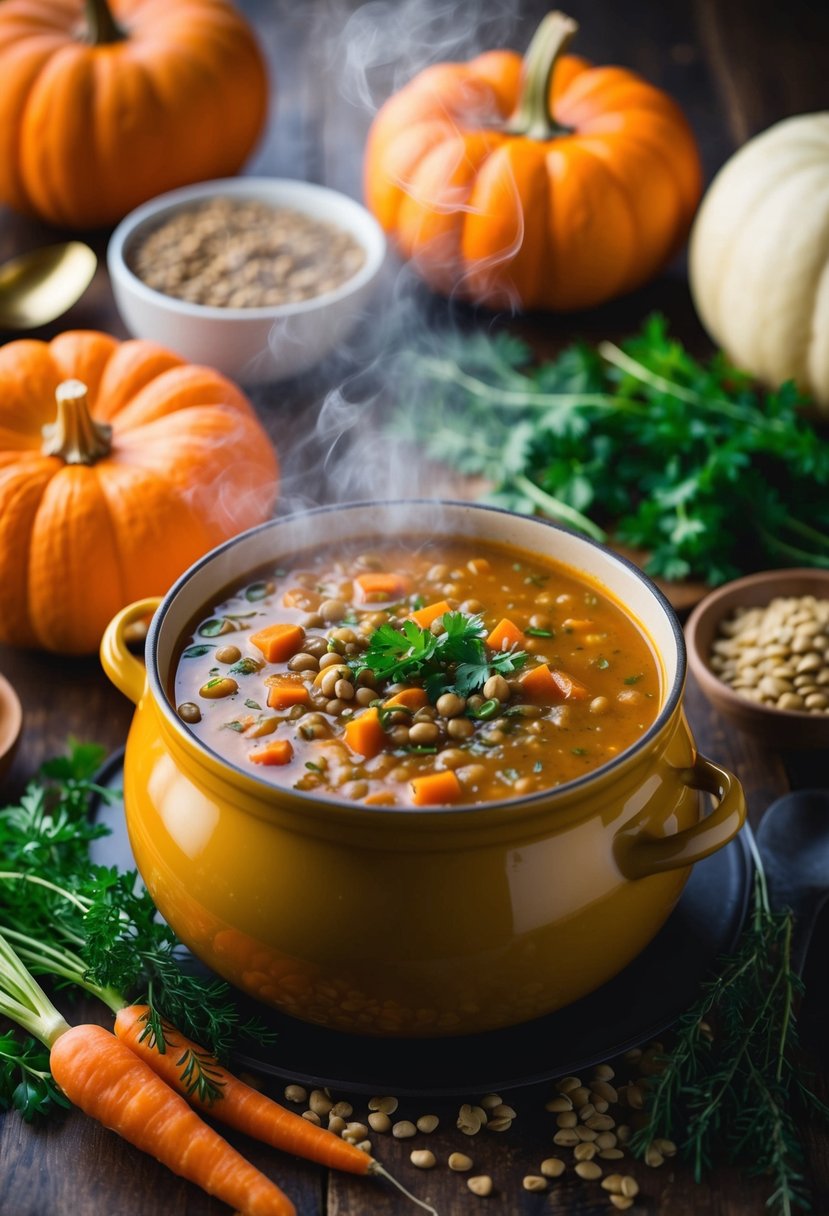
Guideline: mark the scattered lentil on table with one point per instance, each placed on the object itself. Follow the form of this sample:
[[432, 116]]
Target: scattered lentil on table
[[242, 253], [601, 1101], [777, 655]]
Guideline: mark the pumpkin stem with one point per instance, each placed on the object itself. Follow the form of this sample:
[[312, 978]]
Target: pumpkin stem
[[531, 117], [101, 26], [74, 435]]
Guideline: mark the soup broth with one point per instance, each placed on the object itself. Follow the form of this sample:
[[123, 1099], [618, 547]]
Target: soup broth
[[418, 672]]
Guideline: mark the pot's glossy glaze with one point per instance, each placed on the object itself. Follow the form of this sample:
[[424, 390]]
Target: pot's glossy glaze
[[388, 921]]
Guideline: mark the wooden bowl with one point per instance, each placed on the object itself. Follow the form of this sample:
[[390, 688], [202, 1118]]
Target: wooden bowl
[[782, 728], [11, 721]]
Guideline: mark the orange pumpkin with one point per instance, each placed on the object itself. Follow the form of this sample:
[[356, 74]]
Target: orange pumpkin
[[98, 114], [150, 462], [551, 184]]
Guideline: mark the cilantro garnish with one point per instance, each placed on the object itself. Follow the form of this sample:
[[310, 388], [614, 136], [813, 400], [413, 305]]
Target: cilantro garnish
[[456, 660]]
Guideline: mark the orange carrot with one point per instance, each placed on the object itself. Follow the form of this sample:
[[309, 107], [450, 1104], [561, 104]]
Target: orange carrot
[[539, 685], [240, 1106], [430, 612], [435, 789], [278, 751], [543, 683], [284, 692], [364, 734], [257, 727], [505, 636], [379, 586], [569, 687], [110, 1083], [408, 698], [279, 642]]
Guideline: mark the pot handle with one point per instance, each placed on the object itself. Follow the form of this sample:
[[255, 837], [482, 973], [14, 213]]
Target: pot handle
[[126, 671], [638, 855]]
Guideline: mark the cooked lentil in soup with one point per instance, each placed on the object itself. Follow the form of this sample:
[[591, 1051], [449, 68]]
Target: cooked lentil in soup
[[418, 673]]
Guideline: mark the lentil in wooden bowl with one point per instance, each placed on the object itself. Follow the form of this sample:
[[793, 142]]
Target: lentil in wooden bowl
[[257, 277], [759, 648]]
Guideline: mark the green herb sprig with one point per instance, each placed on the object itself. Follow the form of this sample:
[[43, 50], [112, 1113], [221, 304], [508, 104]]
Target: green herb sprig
[[736, 1091], [91, 927], [455, 660], [684, 459]]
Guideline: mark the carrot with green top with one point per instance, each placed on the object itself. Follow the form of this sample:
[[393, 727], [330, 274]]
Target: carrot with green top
[[239, 1105], [102, 1076], [173, 1062], [236, 1104]]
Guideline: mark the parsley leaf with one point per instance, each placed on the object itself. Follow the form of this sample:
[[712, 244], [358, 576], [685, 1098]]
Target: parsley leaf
[[641, 442], [456, 660]]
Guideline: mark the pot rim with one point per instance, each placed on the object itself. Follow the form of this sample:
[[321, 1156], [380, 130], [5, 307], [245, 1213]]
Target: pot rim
[[558, 794]]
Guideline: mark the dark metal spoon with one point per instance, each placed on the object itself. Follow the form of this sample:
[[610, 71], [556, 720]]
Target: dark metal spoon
[[793, 839]]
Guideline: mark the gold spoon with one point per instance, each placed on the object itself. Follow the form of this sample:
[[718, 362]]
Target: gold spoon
[[37, 287]]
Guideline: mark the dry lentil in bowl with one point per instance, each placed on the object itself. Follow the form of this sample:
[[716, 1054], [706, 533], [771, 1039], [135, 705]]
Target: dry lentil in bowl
[[241, 253], [421, 672], [777, 655]]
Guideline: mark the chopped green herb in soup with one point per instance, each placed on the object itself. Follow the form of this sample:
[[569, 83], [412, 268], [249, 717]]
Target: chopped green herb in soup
[[417, 673]]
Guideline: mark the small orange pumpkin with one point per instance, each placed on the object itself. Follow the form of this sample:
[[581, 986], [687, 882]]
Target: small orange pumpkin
[[99, 113], [552, 184], [150, 462]]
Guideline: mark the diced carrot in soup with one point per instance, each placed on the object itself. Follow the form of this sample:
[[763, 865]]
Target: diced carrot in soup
[[376, 586], [278, 642], [364, 734], [429, 612], [409, 698], [283, 693], [367, 706], [505, 636], [436, 789], [277, 752]]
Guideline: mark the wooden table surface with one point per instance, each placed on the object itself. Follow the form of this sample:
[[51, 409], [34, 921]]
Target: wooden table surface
[[736, 68]]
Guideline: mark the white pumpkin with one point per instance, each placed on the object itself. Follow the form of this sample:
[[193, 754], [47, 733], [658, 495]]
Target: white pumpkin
[[759, 256]]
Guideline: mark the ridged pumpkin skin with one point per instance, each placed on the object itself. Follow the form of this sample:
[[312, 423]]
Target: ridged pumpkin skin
[[759, 256], [189, 466], [87, 132], [516, 220]]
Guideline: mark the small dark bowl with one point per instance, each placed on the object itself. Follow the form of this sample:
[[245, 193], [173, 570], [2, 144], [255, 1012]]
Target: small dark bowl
[[782, 728]]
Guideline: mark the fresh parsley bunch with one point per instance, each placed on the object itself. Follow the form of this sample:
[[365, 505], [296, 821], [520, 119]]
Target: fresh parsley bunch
[[53, 897], [642, 444]]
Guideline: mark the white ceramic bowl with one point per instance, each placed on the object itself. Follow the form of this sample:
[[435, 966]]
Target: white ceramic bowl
[[252, 345]]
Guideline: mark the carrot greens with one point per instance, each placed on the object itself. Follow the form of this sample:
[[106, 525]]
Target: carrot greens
[[90, 926], [640, 442]]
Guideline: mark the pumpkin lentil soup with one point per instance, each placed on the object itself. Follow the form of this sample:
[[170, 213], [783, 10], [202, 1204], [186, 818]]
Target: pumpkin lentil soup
[[421, 672]]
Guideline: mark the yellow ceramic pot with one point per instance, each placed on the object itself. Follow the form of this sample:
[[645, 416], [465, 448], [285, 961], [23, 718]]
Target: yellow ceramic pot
[[413, 922]]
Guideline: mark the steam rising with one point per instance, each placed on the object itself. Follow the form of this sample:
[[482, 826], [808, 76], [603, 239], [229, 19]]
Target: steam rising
[[384, 44], [363, 57]]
